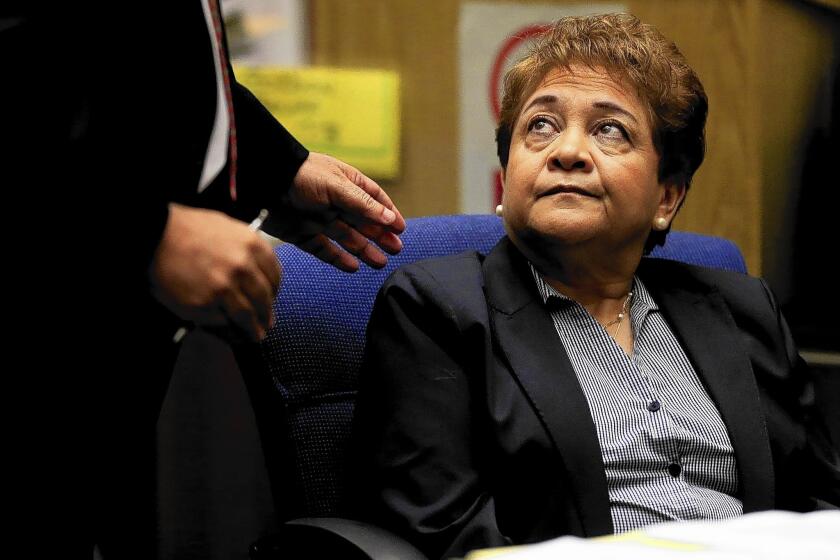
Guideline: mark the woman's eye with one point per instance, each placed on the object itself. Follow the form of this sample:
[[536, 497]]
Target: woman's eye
[[612, 131], [541, 125]]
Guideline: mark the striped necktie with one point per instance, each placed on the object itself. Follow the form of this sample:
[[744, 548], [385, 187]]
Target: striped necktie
[[216, 14]]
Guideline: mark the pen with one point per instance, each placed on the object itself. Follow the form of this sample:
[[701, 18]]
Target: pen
[[258, 222], [255, 225]]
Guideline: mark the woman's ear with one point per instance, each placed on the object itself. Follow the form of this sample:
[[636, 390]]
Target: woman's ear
[[500, 209], [673, 194], [502, 180]]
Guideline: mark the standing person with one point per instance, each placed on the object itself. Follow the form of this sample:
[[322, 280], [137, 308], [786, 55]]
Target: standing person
[[132, 142]]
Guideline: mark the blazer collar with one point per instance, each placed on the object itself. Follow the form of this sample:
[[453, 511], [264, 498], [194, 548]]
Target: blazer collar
[[702, 322], [541, 367]]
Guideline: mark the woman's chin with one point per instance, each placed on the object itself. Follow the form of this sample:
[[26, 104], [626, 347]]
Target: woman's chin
[[548, 243], [562, 232]]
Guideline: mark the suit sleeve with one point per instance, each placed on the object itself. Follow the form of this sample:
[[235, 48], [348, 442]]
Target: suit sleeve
[[268, 155], [417, 426]]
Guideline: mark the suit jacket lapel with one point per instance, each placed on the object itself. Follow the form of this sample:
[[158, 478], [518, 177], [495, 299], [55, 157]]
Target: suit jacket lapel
[[541, 367], [705, 327]]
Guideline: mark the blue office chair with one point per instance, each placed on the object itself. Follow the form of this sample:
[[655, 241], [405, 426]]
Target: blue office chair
[[304, 386]]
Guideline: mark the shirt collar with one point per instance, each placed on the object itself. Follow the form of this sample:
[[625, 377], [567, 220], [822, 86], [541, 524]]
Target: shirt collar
[[642, 302]]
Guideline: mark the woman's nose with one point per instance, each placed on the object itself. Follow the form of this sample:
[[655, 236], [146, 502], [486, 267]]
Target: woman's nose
[[570, 150]]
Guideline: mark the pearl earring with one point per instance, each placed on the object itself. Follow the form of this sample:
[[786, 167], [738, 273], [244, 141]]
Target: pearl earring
[[660, 224], [500, 210]]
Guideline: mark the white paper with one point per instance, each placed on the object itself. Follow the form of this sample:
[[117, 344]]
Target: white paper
[[771, 535]]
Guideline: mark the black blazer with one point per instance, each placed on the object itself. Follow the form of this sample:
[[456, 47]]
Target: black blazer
[[474, 431], [109, 108]]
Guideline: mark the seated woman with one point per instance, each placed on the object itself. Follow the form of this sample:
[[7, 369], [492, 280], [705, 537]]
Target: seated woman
[[564, 384]]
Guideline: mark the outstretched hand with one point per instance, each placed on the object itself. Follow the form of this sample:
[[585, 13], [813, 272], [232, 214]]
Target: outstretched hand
[[330, 200]]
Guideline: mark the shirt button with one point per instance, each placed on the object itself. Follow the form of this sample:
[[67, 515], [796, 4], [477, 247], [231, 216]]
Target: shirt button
[[674, 470], [653, 406]]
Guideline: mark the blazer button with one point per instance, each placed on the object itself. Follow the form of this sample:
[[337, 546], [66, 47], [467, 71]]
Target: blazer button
[[653, 406], [674, 470]]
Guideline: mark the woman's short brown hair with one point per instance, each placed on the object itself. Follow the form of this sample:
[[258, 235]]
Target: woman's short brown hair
[[634, 53]]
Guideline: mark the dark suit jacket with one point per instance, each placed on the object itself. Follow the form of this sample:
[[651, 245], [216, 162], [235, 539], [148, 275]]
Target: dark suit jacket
[[474, 430], [112, 104], [106, 112]]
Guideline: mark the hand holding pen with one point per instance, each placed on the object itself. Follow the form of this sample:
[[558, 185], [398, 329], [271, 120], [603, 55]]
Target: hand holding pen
[[255, 225]]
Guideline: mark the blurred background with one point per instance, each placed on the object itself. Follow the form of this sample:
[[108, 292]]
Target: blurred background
[[407, 90]]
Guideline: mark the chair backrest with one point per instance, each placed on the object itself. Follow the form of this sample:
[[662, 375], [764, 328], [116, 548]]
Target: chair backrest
[[304, 389]]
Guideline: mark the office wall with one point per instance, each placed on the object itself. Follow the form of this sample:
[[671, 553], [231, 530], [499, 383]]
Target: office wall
[[418, 40], [796, 84], [740, 192]]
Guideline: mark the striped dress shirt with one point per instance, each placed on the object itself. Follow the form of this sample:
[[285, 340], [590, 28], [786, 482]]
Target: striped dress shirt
[[666, 451]]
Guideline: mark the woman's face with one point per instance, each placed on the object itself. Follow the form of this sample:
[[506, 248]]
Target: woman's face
[[583, 167]]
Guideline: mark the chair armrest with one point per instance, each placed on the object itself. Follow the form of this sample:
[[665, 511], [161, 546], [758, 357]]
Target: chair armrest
[[319, 537]]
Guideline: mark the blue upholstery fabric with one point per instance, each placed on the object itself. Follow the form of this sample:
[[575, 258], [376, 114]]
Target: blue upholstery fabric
[[313, 353]]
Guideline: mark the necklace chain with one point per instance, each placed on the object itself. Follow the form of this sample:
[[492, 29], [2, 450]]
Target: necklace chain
[[620, 319]]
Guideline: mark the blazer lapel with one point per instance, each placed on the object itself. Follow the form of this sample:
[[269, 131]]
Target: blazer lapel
[[541, 367], [707, 332]]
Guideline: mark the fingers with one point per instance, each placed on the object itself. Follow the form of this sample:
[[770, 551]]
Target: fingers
[[314, 237], [386, 239], [250, 301], [212, 270], [356, 244], [359, 206], [360, 199], [238, 315], [353, 242], [269, 265], [321, 247], [244, 315], [243, 289], [379, 205], [351, 237], [333, 200], [368, 208], [245, 304]]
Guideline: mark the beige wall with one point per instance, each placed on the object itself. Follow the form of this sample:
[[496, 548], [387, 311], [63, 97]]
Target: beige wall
[[714, 36], [794, 93], [417, 38], [755, 57]]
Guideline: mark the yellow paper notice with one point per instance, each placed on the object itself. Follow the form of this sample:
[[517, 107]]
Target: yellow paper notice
[[350, 114]]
